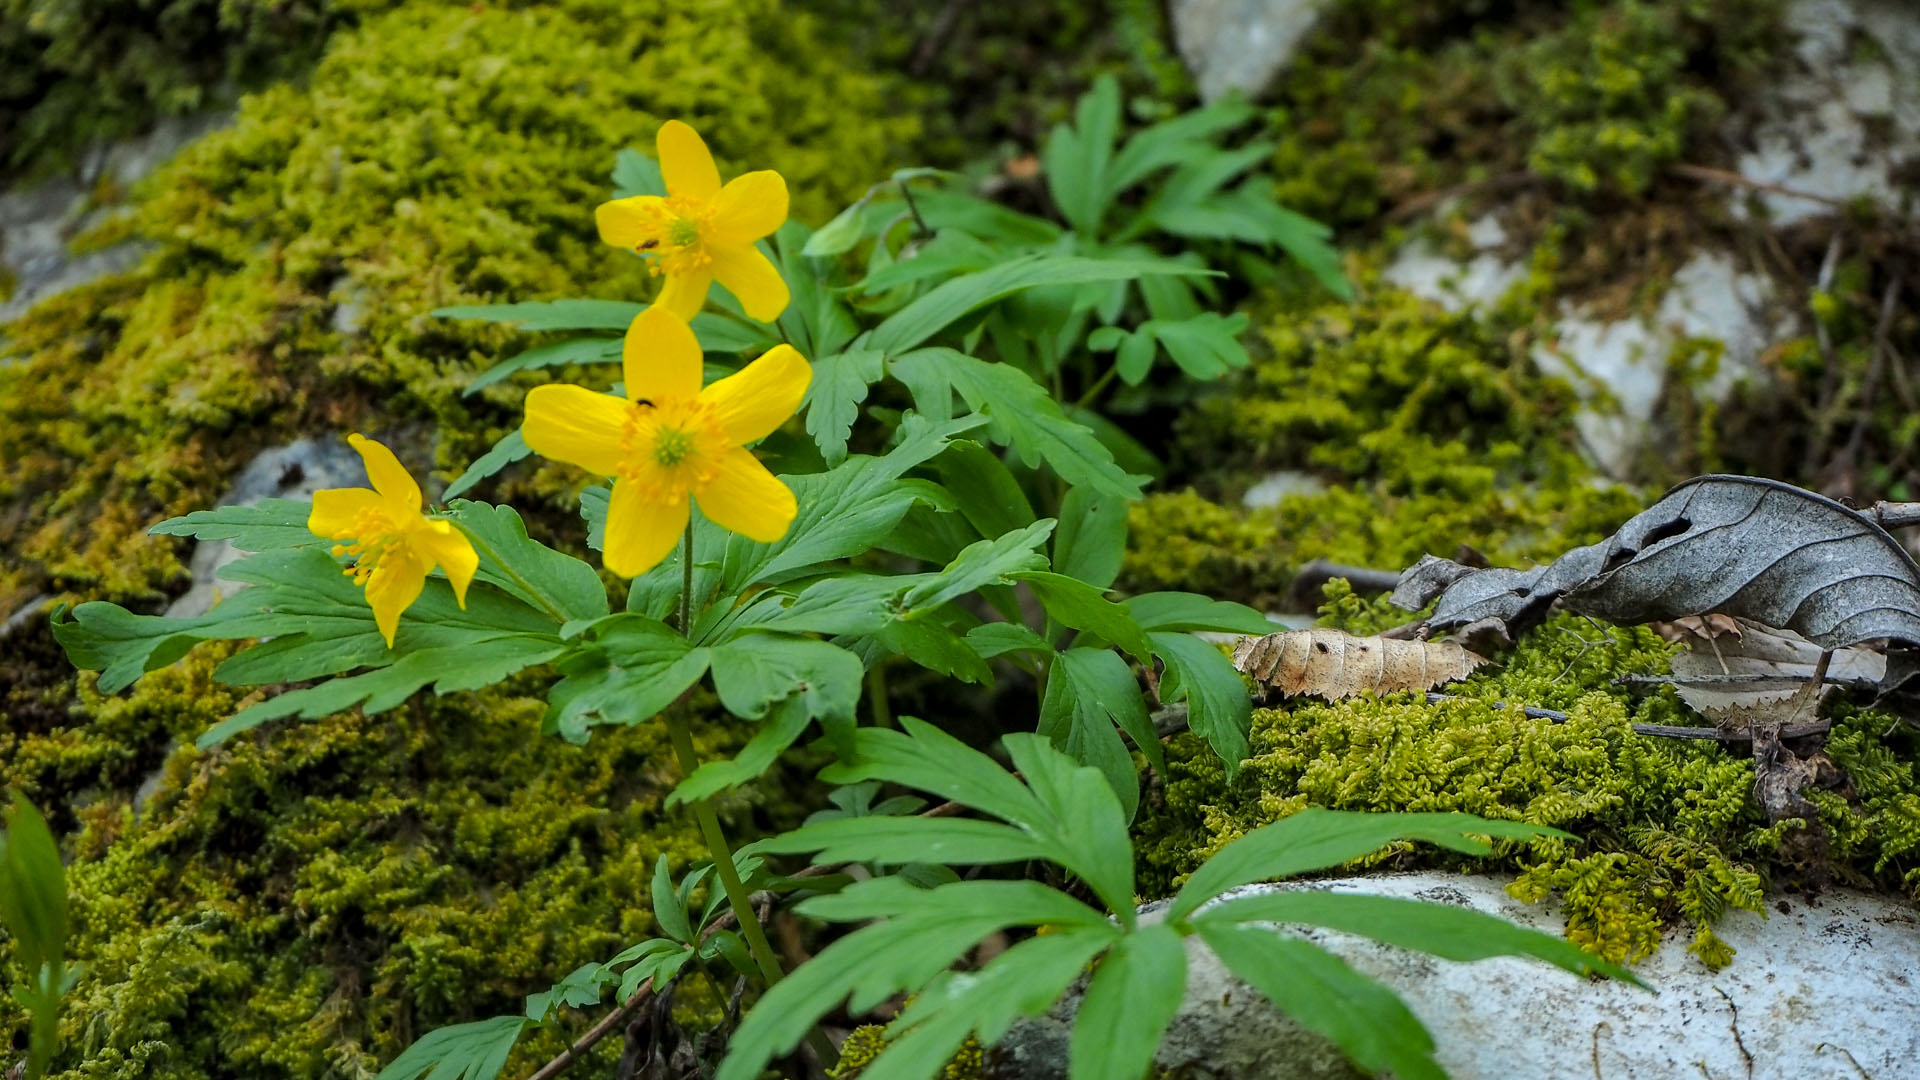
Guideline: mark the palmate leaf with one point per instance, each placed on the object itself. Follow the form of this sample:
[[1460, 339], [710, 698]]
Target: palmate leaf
[[320, 626], [1072, 602], [839, 385], [989, 562], [1129, 1004], [920, 933], [586, 350], [268, 525], [1092, 538], [984, 490], [625, 670], [1089, 691], [475, 1051], [1020, 415]]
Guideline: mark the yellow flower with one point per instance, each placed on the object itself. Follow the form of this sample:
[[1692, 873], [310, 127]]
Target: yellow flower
[[394, 545], [701, 231], [671, 441]]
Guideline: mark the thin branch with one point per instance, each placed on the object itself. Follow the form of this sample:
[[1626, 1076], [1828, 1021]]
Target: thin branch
[[1532, 713], [1668, 731], [1733, 179]]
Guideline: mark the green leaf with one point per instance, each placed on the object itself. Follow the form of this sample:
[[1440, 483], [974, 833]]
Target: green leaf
[[1086, 824], [510, 448], [921, 933], [552, 581], [1320, 992], [984, 489], [668, 913], [1317, 839], [999, 638], [952, 300], [475, 1051], [586, 350], [1019, 413], [1443, 930], [815, 320], [839, 386], [636, 173], [270, 525], [837, 237], [755, 671], [1173, 142], [949, 253], [533, 315], [844, 512], [1083, 702], [1128, 1005], [896, 840], [1205, 346], [988, 562], [782, 728], [924, 757], [1218, 708], [1092, 539], [1075, 158], [627, 670], [1075, 603], [936, 648], [852, 604], [33, 891], [1193, 612], [1025, 980]]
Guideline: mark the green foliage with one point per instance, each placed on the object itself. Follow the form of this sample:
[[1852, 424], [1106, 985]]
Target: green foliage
[[33, 912], [1067, 814]]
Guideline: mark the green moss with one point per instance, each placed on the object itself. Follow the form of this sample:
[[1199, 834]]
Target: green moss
[[306, 902], [437, 155], [866, 1042], [1665, 830]]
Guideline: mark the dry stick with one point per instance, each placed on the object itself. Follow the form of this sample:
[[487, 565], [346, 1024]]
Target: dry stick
[[1830, 378], [1876, 363], [1721, 176]]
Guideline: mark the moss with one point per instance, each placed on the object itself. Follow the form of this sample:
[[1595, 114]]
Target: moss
[[1665, 830], [438, 155], [306, 902], [866, 1042]]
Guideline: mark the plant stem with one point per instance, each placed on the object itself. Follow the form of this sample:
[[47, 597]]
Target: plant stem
[[919, 222], [1093, 391], [494, 556], [686, 587], [877, 695]]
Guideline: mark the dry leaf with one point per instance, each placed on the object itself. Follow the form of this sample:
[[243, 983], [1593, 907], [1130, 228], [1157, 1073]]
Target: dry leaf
[[1703, 627], [1740, 545], [1760, 666], [1334, 664]]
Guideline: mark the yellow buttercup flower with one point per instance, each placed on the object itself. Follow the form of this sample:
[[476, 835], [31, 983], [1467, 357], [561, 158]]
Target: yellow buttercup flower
[[700, 232], [393, 545], [671, 442]]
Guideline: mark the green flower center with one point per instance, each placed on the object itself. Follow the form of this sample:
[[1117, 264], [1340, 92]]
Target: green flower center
[[672, 447], [683, 233]]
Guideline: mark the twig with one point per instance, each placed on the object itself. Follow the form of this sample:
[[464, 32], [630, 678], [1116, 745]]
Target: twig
[[1734, 1023], [1893, 515], [1532, 713], [1311, 578], [1669, 731], [1876, 363], [1721, 176]]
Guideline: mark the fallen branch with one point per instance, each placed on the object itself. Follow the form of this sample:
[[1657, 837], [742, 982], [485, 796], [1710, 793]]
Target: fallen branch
[[1669, 731]]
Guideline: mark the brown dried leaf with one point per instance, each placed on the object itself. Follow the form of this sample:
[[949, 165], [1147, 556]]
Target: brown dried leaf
[[1759, 666], [1334, 664], [1704, 627]]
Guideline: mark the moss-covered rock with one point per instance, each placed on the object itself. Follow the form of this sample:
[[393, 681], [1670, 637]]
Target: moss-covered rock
[[1663, 830]]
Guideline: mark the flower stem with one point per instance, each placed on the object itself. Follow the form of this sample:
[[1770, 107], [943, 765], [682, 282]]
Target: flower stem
[[686, 586]]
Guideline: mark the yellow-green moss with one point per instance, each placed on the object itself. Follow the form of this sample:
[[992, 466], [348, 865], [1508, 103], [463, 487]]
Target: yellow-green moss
[[1666, 830], [307, 901], [438, 154], [865, 1043]]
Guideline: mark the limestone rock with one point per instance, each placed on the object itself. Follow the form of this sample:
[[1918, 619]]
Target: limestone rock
[[293, 471], [1239, 44], [1814, 991]]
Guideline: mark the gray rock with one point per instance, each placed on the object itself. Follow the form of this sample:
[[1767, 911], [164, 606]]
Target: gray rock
[[293, 471], [38, 222], [1818, 992], [1239, 44]]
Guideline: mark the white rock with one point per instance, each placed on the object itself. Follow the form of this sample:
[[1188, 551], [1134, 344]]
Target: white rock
[[1239, 44], [1271, 488], [1842, 117], [293, 471], [1811, 986], [1420, 268]]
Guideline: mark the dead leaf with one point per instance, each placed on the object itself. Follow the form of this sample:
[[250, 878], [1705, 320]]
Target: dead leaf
[[1334, 664], [1700, 627], [1759, 666], [1740, 545]]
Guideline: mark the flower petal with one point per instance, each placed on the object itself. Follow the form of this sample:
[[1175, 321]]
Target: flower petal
[[661, 359], [627, 223], [751, 206], [745, 498], [396, 583], [752, 280], [754, 401], [685, 294], [685, 162], [640, 531], [575, 425], [450, 550], [335, 509], [390, 478]]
